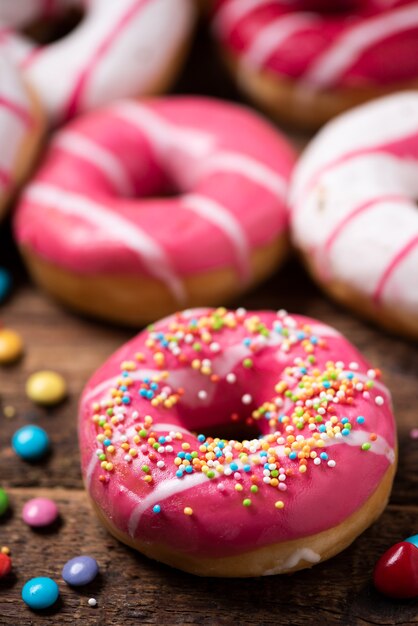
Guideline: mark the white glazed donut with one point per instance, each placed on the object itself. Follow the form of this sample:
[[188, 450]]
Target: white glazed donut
[[354, 211], [20, 130], [123, 48]]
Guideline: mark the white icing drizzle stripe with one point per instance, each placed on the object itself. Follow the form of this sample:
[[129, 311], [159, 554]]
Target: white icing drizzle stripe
[[219, 215], [109, 383], [96, 155], [115, 226], [357, 437], [162, 135], [331, 65], [247, 167], [302, 554], [274, 35], [160, 493], [90, 469], [376, 383], [232, 12]]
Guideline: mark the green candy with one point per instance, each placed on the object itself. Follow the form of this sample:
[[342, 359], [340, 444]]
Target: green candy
[[4, 502]]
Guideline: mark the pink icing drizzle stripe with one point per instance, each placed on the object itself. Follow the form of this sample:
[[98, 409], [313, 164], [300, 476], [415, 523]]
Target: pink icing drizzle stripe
[[22, 114], [81, 84], [362, 208], [397, 259]]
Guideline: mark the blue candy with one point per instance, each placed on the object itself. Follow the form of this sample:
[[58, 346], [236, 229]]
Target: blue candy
[[80, 570], [413, 540], [40, 593], [30, 442], [5, 283]]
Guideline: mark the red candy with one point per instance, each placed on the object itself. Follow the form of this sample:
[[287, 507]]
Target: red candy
[[396, 572], [5, 565]]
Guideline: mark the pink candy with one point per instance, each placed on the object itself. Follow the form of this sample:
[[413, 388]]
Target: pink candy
[[40, 512]]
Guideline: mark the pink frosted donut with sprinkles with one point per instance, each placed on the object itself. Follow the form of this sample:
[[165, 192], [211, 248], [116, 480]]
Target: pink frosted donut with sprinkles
[[21, 128], [100, 231], [308, 60], [354, 212], [120, 49], [314, 469]]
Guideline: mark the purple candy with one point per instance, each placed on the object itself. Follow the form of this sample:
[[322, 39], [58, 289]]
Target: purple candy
[[80, 570], [40, 512]]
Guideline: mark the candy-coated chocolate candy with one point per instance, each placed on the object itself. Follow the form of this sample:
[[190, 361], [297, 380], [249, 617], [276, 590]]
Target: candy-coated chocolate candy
[[4, 502], [413, 540], [30, 442], [5, 565], [396, 572], [46, 387], [40, 593], [40, 512], [5, 283], [11, 346], [80, 570]]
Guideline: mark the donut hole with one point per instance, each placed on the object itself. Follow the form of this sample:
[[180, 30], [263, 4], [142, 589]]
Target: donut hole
[[47, 31], [238, 430]]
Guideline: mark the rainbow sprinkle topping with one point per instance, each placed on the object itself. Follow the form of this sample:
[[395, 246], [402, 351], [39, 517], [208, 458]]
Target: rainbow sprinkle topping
[[297, 425]]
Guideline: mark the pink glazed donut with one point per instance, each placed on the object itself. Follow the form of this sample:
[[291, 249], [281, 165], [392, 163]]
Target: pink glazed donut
[[354, 210], [100, 232], [120, 49], [316, 471], [307, 60]]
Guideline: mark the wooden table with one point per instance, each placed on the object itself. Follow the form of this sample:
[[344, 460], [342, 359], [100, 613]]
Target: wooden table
[[132, 589]]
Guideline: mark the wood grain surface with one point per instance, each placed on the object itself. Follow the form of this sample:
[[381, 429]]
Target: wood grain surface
[[132, 589]]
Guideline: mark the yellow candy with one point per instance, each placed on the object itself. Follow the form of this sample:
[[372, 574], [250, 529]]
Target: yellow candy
[[11, 346], [46, 387]]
